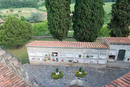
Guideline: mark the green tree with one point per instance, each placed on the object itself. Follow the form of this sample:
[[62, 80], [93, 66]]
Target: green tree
[[104, 32], [22, 18], [41, 29], [120, 21], [88, 19], [15, 32], [11, 9], [58, 17]]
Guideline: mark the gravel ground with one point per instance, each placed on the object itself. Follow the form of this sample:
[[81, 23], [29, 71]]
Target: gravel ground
[[96, 77]]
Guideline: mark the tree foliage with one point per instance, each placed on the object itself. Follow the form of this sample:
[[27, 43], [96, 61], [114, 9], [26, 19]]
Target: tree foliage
[[58, 17], [17, 3], [120, 21], [104, 32], [36, 17], [11, 9], [88, 19], [41, 29], [22, 18], [15, 32]]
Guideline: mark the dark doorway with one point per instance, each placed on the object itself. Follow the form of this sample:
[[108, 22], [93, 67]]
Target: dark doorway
[[121, 55]]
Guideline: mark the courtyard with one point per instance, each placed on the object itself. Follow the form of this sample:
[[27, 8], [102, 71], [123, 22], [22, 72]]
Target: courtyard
[[96, 76]]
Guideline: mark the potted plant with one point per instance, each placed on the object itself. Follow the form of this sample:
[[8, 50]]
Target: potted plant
[[80, 70], [57, 71]]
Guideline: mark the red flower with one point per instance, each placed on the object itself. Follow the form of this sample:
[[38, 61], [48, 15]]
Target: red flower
[[53, 60]]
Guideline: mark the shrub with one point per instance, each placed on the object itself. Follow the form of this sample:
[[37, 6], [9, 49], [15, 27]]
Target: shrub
[[16, 15], [41, 29], [80, 75], [11, 9], [104, 32], [57, 69], [19, 11], [22, 18], [80, 69], [0, 16], [54, 76]]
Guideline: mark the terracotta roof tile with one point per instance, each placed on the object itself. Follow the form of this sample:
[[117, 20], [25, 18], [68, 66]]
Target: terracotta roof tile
[[123, 81], [67, 44], [117, 40], [9, 79]]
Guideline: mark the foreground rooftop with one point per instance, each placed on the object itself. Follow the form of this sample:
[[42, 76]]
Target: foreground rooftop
[[10, 79], [123, 81]]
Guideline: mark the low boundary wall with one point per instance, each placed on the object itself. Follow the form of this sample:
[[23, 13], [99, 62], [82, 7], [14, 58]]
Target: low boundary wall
[[118, 64]]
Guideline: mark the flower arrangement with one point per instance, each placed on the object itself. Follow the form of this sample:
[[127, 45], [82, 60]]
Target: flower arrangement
[[80, 73], [57, 75], [79, 56]]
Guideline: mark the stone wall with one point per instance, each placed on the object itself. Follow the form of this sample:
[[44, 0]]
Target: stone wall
[[15, 66], [118, 64]]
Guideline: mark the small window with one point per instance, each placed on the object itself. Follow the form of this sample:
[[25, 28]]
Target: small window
[[70, 57], [86, 55], [102, 56], [62, 54], [32, 53], [33, 58], [55, 57], [54, 54], [39, 53], [62, 59], [39, 58], [47, 56], [95, 56], [78, 55], [111, 57]]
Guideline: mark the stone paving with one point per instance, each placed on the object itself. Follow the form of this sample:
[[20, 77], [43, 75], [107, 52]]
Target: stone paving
[[96, 77]]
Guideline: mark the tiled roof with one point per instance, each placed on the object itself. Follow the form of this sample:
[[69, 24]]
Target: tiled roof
[[9, 79], [117, 40], [67, 44], [123, 81]]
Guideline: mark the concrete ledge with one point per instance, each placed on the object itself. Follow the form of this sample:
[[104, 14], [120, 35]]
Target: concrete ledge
[[67, 64], [118, 64]]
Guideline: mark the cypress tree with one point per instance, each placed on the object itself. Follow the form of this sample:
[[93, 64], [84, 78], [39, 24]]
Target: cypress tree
[[120, 21], [88, 19], [58, 15]]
